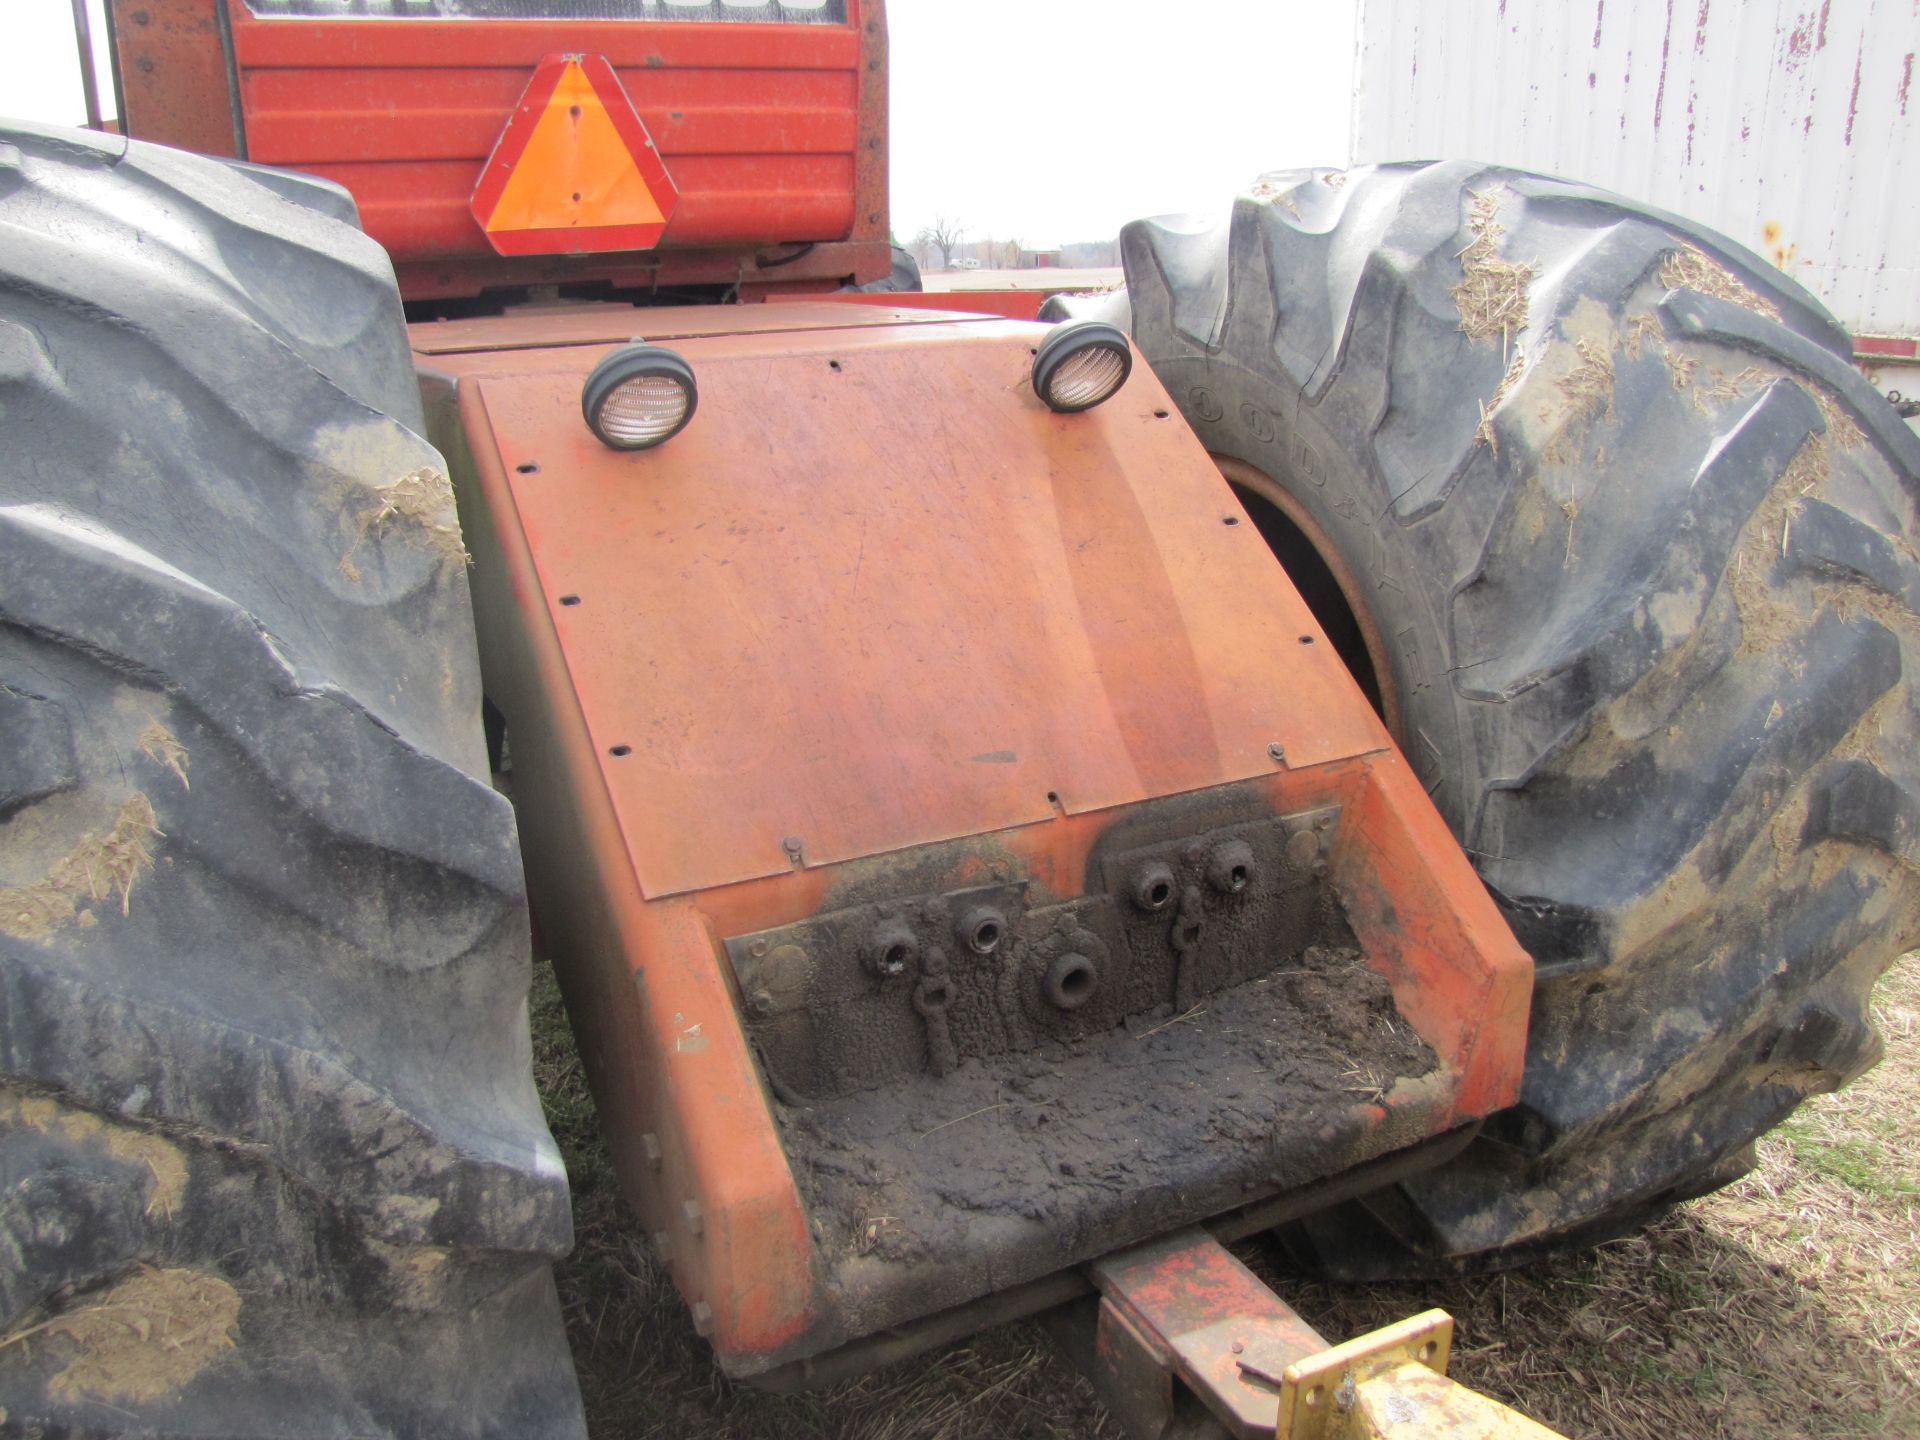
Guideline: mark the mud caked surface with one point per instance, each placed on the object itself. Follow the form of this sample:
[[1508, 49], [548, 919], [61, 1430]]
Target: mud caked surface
[[1045, 1158]]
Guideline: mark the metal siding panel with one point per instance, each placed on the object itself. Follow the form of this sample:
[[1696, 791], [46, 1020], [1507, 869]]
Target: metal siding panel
[[1361, 116], [1789, 127]]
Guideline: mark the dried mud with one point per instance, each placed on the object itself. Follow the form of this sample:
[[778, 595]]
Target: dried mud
[[1492, 293], [423, 499], [1690, 270], [142, 1337], [94, 870], [1262, 1080], [166, 1166]]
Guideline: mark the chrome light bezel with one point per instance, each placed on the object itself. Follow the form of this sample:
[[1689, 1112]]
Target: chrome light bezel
[[637, 361], [1071, 341]]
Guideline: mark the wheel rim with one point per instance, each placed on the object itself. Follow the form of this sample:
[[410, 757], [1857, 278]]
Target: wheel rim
[[1335, 597]]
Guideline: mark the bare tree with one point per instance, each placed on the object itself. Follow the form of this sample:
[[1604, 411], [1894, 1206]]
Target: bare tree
[[1011, 255], [946, 233]]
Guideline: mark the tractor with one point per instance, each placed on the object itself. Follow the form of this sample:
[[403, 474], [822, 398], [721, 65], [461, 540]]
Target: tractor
[[1389, 729]]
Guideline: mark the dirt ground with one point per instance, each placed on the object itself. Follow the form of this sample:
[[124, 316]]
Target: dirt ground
[[1787, 1306]]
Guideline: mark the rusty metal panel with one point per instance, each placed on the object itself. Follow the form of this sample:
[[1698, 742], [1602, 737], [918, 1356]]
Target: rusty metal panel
[[1188, 1304], [1184, 1307], [1791, 127], [930, 607], [172, 68], [1067, 607], [685, 1113]]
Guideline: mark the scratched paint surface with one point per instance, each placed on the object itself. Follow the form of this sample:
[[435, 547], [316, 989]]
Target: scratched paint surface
[[924, 606], [1794, 128]]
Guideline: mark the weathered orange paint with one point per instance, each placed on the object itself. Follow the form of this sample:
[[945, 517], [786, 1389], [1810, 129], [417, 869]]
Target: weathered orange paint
[[1085, 625], [534, 327], [1416, 907], [404, 113], [1186, 1307], [1076, 620], [173, 75], [1008, 304], [658, 995]]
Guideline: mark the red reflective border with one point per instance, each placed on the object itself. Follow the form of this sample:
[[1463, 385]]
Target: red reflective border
[[1899, 347]]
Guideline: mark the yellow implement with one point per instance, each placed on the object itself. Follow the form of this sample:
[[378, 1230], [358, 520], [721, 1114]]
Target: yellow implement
[[1182, 1320]]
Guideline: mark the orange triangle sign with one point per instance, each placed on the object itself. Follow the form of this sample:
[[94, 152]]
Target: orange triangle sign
[[575, 169]]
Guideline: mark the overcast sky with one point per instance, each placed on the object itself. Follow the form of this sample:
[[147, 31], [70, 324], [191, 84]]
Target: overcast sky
[[1052, 122], [1045, 121]]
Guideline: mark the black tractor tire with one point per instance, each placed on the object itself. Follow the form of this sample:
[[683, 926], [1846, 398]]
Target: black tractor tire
[[1622, 546], [271, 1161], [905, 276], [1110, 307]]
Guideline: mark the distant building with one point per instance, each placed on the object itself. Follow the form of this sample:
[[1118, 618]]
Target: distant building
[[1039, 259], [1090, 254]]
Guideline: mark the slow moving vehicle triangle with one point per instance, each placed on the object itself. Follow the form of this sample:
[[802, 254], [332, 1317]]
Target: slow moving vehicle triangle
[[574, 170]]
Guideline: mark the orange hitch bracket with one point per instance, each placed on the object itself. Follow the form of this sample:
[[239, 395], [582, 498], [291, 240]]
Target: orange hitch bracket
[[1181, 1316]]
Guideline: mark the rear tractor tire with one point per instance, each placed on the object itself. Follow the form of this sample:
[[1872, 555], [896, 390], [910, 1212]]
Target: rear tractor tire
[[904, 276], [1621, 545], [271, 1162]]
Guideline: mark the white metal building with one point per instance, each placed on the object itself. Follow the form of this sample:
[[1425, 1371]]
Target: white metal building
[[1791, 127]]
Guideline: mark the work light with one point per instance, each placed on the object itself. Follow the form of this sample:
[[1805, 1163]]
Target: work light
[[1080, 364], [639, 396]]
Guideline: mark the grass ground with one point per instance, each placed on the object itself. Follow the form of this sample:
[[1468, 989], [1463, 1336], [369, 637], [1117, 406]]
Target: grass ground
[[1786, 1306]]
